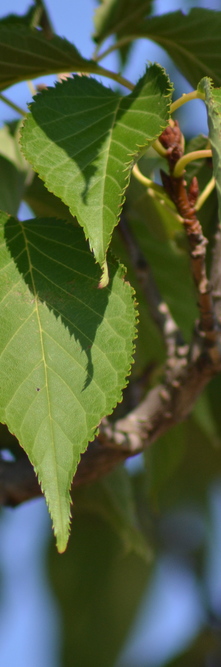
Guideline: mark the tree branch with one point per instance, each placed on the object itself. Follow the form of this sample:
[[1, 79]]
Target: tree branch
[[185, 201]]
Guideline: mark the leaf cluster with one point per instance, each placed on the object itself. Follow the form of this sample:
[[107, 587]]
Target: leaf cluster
[[69, 316]]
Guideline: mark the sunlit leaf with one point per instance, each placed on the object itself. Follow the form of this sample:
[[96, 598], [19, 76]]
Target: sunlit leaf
[[66, 348], [82, 139]]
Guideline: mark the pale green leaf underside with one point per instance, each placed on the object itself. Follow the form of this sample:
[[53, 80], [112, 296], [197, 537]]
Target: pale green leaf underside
[[82, 139], [66, 349], [26, 53], [213, 103], [192, 41]]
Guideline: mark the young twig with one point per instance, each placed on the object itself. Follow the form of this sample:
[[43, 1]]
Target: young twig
[[185, 201]]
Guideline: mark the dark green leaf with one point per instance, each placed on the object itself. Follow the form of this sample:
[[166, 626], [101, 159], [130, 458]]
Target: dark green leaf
[[25, 53], [192, 41], [119, 16], [19, 19]]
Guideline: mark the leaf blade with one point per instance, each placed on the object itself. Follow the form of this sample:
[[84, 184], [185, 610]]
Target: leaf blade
[[192, 40], [66, 348], [25, 53], [85, 156], [119, 17]]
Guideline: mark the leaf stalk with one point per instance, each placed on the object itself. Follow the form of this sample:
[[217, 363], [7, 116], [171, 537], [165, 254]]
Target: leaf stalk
[[186, 97], [12, 105], [205, 193], [189, 157]]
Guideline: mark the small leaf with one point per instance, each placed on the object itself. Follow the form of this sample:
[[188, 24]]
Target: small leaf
[[66, 349], [192, 40], [213, 103], [25, 53], [82, 139]]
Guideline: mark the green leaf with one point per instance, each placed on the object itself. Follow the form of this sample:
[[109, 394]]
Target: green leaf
[[192, 41], [119, 16], [66, 349], [25, 53], [82, 139], [111, 498], [213, 103]]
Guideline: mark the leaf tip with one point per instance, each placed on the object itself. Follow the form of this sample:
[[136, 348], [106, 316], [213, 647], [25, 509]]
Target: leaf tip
[[61, 544], [105, 276], [62, 535]]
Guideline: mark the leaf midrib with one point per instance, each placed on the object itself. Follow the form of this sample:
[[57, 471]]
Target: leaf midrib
[[45, 372]]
